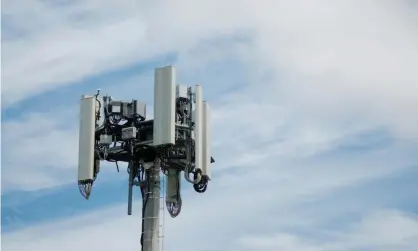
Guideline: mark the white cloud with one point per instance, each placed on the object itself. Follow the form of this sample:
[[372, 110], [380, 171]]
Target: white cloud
[[34, 149], [40, 150], [252, 209], [317, 73], [341, 60], [330, 59], [314, 75], [61, 44], [386, 230]]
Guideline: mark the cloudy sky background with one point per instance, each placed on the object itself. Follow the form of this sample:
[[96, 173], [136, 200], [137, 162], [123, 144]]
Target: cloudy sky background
[[315, 120]]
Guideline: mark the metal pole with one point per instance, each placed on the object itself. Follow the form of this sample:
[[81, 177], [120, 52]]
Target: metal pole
[[131, 168], [152, 207]]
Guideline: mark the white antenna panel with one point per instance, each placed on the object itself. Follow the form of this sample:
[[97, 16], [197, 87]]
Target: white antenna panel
[[206, 142], [86, 138], [198, 127], [181, 91], [164, 106]]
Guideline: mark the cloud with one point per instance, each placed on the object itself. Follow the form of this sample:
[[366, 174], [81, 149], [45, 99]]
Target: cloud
[[40, 150], [312, 104], [338, 60], [52, 46], [306, 74], [67, 43], [384, 230], [34, 148], [263, 212]]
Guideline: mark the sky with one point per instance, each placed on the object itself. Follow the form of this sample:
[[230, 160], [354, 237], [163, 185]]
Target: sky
[[314, 120]]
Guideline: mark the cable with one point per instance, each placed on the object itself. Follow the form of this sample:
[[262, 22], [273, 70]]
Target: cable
[[197, 178], [203, 184], [100, 106]]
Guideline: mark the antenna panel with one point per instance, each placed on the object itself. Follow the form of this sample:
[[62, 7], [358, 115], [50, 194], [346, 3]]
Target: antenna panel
[[206, 142], [164, 106], [86, 138], [198, 127], [181, 91]]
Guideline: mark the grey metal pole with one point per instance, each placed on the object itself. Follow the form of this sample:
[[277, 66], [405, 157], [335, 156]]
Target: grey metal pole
[[131, 168], [151, 214]]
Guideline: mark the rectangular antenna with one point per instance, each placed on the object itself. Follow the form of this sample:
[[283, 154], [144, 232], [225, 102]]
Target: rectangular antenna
[[198, 127], [86, 138], [206, 142], [164, 106]]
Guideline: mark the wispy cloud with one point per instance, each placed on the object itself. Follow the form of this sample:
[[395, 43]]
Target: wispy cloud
[[261, 211], [313, 104], [322, 52], [382, 230]]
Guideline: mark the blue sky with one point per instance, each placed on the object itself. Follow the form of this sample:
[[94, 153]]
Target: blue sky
[[315, 126]]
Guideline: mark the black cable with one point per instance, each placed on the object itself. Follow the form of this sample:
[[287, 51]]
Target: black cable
[[100, 107], [203, 184]]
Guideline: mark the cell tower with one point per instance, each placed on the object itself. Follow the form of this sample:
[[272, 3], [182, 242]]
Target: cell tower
[[176, 140]]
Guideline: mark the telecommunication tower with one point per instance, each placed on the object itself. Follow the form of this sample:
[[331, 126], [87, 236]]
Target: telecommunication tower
[[176, 140]]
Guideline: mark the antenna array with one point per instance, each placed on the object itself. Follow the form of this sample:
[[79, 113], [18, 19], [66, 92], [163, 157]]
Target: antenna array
[[177, 140]]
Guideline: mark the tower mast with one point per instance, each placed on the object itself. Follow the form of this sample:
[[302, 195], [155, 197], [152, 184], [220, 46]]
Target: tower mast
[[151, 209]]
